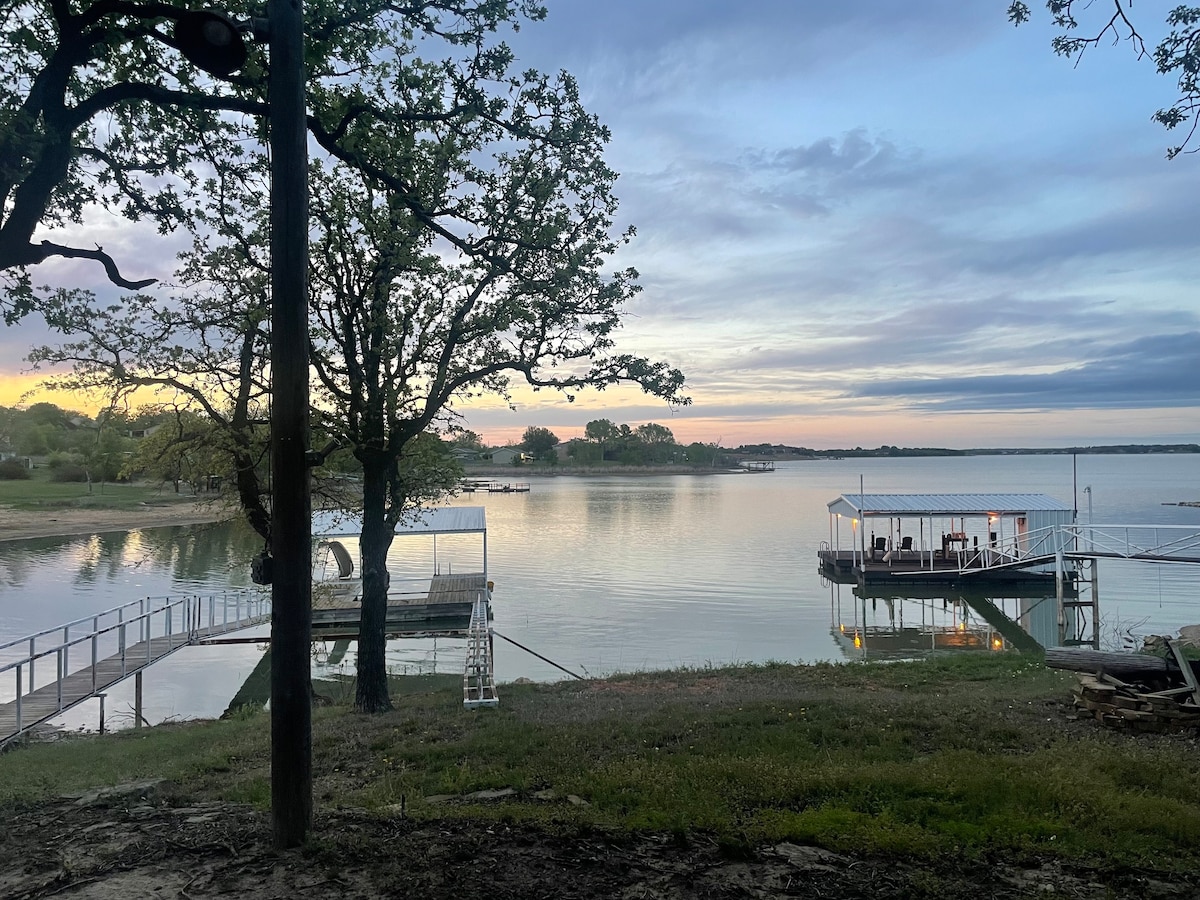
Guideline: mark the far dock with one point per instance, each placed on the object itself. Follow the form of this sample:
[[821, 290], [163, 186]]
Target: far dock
[[494, 487], [757, 465]]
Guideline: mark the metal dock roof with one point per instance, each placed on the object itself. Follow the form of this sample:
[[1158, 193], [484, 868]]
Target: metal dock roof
[[859, 505], [436, 520]]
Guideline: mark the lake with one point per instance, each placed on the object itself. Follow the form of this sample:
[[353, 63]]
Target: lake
[[615, 573]]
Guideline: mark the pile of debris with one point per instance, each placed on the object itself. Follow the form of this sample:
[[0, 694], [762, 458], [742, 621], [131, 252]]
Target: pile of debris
[[1136, 691]]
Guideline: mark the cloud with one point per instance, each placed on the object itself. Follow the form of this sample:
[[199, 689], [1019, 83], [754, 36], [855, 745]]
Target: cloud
[[1155, 371]]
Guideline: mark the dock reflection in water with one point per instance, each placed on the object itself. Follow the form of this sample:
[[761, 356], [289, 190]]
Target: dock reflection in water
[[875, 622]]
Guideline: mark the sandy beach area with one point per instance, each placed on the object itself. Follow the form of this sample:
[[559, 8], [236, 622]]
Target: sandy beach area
[[18, 524]]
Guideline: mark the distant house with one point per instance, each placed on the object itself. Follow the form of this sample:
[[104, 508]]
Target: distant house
[[143, 432], [507, 456], [568, 447], [465, 454]]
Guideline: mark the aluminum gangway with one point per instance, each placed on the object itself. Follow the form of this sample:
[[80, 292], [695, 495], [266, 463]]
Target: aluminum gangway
[[86, 657], [479, 677], [1046, 546], [1073, 553]]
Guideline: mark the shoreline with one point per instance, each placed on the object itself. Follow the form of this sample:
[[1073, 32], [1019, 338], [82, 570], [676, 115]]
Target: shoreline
[[27, 524]]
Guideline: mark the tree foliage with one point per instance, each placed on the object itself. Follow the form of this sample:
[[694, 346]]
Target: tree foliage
[[99, 111], [1085, 25], [185, 449], [538, 441], [462, 239]]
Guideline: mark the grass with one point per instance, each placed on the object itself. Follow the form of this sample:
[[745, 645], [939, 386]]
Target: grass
[[39, 492], [965, 755]]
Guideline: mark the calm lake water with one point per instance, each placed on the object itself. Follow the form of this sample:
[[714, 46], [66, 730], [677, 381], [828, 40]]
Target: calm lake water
[[612, 574]]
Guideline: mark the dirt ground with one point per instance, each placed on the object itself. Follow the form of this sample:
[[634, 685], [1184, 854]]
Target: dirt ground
[[18, 524], [148, 840]]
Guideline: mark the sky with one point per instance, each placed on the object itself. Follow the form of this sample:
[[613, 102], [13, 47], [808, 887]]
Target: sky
[[869, 222]]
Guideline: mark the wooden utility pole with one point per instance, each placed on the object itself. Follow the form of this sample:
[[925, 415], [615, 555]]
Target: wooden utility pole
[[291, 511]]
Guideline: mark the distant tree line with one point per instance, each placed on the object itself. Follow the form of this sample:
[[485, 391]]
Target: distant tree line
[[607, 443]]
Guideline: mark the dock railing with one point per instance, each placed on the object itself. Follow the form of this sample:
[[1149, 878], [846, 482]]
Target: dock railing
[[126, 638], [479, 678], [1154, 543], [1165, 543]]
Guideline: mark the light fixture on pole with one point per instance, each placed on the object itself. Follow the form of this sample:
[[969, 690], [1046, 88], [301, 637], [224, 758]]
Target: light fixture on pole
[[211, 41]]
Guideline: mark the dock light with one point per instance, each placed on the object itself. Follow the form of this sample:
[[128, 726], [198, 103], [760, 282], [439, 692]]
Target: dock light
[[211, 41]]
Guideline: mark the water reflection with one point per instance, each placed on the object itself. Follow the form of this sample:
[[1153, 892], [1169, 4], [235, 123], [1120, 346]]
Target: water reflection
[[619, 574], [45, 582], [876, 621]]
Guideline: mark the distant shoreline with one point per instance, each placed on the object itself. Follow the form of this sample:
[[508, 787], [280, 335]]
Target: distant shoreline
[[519, 473]]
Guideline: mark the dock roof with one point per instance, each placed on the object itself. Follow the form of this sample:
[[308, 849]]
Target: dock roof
[[436, 520], [899, 505]]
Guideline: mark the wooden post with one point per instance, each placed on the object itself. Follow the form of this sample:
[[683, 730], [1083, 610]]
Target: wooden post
[[101, 696], [291, 513], [137, 700]]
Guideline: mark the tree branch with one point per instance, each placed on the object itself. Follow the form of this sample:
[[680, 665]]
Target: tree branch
[[42, 252]]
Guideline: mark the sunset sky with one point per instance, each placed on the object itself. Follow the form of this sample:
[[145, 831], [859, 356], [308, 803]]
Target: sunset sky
[[866, 222]]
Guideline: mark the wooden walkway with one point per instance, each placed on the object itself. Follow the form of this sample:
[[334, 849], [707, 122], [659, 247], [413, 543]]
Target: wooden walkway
[[58, 696], [444, 610]]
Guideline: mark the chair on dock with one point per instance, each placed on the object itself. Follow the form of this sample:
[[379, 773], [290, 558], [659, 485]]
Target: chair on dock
[[878, 547], [905, 545]]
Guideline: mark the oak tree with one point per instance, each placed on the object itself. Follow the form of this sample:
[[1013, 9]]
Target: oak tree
[[1085, 25], [462, 238]]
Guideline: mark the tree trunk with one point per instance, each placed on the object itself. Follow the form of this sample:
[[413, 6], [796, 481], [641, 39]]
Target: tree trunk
[[371, 694]]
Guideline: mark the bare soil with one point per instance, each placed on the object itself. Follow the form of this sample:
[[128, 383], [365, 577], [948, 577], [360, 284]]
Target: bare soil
[[19, 524], [150, 840]]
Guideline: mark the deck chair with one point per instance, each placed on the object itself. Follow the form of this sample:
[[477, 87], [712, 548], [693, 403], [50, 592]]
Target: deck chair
[[880, 546], [906, 544]]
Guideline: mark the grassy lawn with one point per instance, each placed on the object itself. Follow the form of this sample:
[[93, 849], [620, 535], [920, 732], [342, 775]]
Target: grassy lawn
[[39, 492], [970, 755]]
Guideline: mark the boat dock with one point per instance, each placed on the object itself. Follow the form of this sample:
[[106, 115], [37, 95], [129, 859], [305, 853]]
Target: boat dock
[[448, 605], [757, 465], [495, 487], [443, 610], [939, 538], [59, 668], [1006, 541]]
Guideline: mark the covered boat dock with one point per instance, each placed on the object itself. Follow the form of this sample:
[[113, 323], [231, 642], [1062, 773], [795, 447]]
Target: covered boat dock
[[943, 537], [443, 604]]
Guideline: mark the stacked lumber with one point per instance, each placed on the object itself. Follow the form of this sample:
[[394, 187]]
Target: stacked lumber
[[1162, 693], [1136, 707]]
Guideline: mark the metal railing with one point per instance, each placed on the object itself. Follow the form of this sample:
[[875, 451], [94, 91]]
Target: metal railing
[[153, 626], [479, 680], [1166, 543], [1155, 543]]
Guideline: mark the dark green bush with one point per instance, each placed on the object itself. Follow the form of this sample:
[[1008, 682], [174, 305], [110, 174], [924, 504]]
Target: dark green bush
[[69, 472], [13, 470]]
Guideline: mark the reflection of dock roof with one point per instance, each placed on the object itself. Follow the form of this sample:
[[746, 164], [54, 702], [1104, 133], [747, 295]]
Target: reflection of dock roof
[[439, 520], [899, 505]]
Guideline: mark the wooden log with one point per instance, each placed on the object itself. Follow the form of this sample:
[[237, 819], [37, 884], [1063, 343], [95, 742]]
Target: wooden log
[[1122, 665]]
